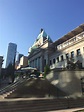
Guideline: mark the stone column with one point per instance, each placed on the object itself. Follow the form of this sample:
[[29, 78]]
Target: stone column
[[34, 64], [41, 64], [38, 63], [65, 60]]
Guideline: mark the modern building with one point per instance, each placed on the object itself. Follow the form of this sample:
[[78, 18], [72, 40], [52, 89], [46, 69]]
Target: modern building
[[55, 54], [19, 56], [18, 59], [11, 54], [23, 62], [1, 62]]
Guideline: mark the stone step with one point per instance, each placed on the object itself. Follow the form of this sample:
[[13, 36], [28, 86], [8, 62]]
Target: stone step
[[10, 87], [30, 108], [6, 91], [31, 103], [39, 105], [42, 101]]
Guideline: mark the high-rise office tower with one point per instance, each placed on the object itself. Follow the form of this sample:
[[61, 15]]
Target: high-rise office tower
[[11, 54]]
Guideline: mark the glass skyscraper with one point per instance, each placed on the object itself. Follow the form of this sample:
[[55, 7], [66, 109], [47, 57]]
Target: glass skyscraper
[[11, 54]]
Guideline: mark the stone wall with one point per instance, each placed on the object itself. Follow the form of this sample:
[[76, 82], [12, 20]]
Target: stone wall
[[67, 81]]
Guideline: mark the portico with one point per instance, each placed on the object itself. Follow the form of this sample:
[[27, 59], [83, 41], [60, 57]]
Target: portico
[[38, 54]]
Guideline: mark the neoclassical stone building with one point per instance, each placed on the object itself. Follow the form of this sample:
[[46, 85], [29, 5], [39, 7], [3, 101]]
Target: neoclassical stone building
[[44, 51], [69, 47], [56, 54], [38, 54]]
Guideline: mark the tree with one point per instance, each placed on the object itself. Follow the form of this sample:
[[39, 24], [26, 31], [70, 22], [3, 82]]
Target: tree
[[46, 70], [10, 72]]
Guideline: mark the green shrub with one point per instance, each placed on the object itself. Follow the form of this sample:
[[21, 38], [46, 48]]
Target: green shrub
[[46, 70]]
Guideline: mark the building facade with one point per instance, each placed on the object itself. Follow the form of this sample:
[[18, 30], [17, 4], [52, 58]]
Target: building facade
[[38, 53], [11, 54], [1, 62], [19, 56], [59, 54], [23, 62], [68, 48], [55, 54], [18, 60]]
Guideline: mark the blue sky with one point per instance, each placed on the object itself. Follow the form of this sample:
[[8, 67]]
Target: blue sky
[[21, 21]]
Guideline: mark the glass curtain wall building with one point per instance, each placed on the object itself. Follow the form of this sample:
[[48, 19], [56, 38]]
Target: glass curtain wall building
[[11, 54]]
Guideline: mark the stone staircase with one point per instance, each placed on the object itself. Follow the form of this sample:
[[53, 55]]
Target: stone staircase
[[39, 105], [35, 104], [5, 91]]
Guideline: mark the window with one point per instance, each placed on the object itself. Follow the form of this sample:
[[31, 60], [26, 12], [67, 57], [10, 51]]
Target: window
[[50, 62], [53, 61], [62, 58], [72, 54], [67, 56], [57, 59], [78, 52]]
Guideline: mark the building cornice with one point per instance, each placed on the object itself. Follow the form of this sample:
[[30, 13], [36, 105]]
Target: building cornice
[[72, 44], [70, 35]]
